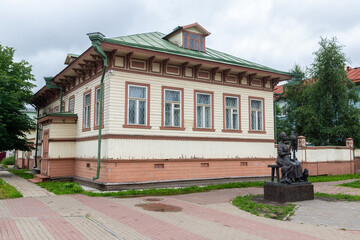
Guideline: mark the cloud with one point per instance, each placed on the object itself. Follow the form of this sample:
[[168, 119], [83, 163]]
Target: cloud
[[273, 33]]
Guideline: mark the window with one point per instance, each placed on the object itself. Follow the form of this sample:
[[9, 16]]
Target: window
[[194, 41], [172, 108], [86, 115], [256, 114], [63, 106], [203, 110], [97, 107], [231, 112], [56, 109], [71, 104], [137, 105]]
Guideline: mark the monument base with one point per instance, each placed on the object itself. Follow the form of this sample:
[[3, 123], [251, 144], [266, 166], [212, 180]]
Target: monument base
[[279, 192]]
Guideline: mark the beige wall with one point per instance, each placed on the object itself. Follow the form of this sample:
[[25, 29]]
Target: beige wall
[[328, 154]]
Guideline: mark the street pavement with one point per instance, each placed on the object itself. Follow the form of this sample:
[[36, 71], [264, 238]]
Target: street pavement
[[208, 215]]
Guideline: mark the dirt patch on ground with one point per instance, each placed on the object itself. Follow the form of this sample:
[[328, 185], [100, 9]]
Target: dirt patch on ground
[[159, 207]]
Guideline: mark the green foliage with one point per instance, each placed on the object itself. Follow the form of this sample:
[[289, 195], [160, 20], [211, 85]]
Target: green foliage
[[355, 184], [281, 212], [345, 197], [7, 191], [61, 188], [15, 93], [333, 178], [8, 161], [174, 191], [321, 108], [24, 173]]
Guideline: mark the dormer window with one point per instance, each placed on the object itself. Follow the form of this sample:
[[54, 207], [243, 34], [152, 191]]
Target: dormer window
[[193, 41], [190, 37]]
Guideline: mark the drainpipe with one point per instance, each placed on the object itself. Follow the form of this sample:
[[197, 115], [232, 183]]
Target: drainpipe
[[96, 39], [275, 122], [50, 85]]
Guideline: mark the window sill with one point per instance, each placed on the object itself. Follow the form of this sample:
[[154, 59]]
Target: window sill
[[257, 132], [232, 131], [97, 127], [204, 129], [172, 128], [86, 129], [137, 126]]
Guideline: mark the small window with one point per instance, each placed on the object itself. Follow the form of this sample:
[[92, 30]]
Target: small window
[[231, 113], [137, 102], [172, 108], [71, 104], [256, 108], [97, 106], [203, 110], [86, 111], [194, 41]]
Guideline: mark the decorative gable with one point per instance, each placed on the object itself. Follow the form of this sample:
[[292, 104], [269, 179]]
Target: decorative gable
[[191, 36]]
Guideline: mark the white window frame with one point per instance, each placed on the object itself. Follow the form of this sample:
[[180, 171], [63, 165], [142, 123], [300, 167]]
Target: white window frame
[[137, 100], [87, 111], [97, 107], [203, 120], [173, 108], [233, 111], [257, 127]]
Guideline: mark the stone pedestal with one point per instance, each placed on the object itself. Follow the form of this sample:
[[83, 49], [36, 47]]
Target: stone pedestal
[[288, 192]]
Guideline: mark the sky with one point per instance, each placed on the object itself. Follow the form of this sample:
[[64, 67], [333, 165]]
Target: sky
[[274, 33]]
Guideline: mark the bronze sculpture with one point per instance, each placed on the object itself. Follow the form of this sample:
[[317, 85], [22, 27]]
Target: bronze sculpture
[[291, 170]]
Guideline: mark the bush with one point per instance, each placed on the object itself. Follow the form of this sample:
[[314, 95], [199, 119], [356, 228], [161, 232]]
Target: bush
[[8, 161]]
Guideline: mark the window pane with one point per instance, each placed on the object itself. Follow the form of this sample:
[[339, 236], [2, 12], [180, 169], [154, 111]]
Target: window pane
[[196, 45], [71, 105], [201, 37], [207, 117], [199, 116], [256, 104], [203, 98], [98, 94], [235, 121], [253, 120], [87, 99], [231, 102], [86, 117], [194, 36], [191, 43], [185, 34], [132, 107], [260, 122], [97, 115], [167, 114], [185, 43], [172, 95], [137, 92], [201, 46], [142, 112], [228, 118], [177, 118]]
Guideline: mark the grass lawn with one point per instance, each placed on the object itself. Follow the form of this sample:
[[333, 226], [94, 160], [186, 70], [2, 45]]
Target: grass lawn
[[355, 184], [8, 191], [24, 173], [338, 196], [333, 178], [279, 211], [61, 188]]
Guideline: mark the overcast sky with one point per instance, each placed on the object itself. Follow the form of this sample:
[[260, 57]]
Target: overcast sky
[[277, 33]]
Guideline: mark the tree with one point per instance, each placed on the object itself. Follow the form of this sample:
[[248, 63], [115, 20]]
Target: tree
[[15, 93], [322, 107]]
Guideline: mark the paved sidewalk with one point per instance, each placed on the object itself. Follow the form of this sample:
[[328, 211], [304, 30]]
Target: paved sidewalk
[[27, 188]]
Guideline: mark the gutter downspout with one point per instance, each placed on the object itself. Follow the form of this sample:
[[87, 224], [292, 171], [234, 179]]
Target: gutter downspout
[[96, 39], [50, 85]]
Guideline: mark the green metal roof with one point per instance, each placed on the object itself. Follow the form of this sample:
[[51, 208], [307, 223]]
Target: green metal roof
[[154, 41], [63, 114]]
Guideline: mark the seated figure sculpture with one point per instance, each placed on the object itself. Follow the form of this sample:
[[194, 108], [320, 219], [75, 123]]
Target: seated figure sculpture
[[291, 170]]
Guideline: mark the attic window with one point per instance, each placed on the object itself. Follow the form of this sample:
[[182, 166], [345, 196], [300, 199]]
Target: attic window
[[194, 41]]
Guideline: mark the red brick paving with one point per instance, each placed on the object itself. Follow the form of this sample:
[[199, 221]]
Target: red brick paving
[[148, 226], [53, 221], [245, 225], [8, 229]]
